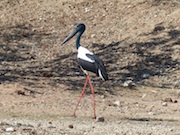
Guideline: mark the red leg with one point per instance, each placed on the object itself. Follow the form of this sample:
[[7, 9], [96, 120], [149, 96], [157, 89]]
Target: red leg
[[82, 93], [93, 100]]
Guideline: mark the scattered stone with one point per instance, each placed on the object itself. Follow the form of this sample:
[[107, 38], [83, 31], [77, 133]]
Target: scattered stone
[[145, 76], [116, 103], [144, 95], [154, 91], [168, 100], [129, 84], [151, 113], [87, 9], [175, 101], [20, 92], [102, 96], [10, 129], [71, 126], [164, 104], [93, 35], [100, 119]]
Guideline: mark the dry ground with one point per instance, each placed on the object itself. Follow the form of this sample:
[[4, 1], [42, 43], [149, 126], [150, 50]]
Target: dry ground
[[40, 80]]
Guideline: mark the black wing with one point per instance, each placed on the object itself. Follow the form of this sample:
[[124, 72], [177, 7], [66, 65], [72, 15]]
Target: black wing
[[99, 65]]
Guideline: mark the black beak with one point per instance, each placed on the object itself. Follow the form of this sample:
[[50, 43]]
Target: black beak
[[70, 36]]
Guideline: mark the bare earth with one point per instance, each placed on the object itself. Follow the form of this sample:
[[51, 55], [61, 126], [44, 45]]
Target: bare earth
[[40, 80]]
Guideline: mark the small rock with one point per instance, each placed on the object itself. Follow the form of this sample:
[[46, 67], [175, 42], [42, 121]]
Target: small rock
[[145, 76], [102, 96], [71, 126], [128, 83], [151, 113], [87, 9], [10, 129], [168, 100], [164, 104], [154, 91], [20, 92], [144, 95], [93, 35], [116, 103], [100, 119], [175, 101]]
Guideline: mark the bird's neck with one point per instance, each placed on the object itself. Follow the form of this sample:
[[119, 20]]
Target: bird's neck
[[78, 40]]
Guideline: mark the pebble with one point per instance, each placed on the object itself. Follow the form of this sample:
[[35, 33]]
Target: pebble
[[9, 129], [128, 83], [20, 92], [100, 119], [164, 104], [154, 91], [175, 101], [151, 113], [168, 100], [102, 96], [145, 76], [71, 126], [144, 95], [116, 103], [93, 35]]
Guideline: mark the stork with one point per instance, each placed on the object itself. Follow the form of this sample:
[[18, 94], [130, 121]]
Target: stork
[[88, 63]]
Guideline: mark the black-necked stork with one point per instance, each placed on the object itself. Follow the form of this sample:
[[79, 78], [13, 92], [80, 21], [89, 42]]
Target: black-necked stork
[[88, 62]]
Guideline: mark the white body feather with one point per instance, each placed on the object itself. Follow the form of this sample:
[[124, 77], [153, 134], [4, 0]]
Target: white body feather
[[82, 51]]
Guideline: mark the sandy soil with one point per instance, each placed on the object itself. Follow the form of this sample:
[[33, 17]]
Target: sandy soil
[[41, 81]]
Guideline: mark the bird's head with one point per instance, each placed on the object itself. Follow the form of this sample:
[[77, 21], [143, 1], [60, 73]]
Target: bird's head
[[79, 28]]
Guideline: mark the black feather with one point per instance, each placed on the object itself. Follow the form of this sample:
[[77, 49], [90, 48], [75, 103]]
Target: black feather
[[99, 65]]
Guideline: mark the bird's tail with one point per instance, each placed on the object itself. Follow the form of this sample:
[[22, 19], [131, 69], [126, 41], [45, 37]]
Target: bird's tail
[[102, 73]]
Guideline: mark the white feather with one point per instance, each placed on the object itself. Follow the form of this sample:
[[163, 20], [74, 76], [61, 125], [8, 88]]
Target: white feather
[[99, 71], [82, 54]]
